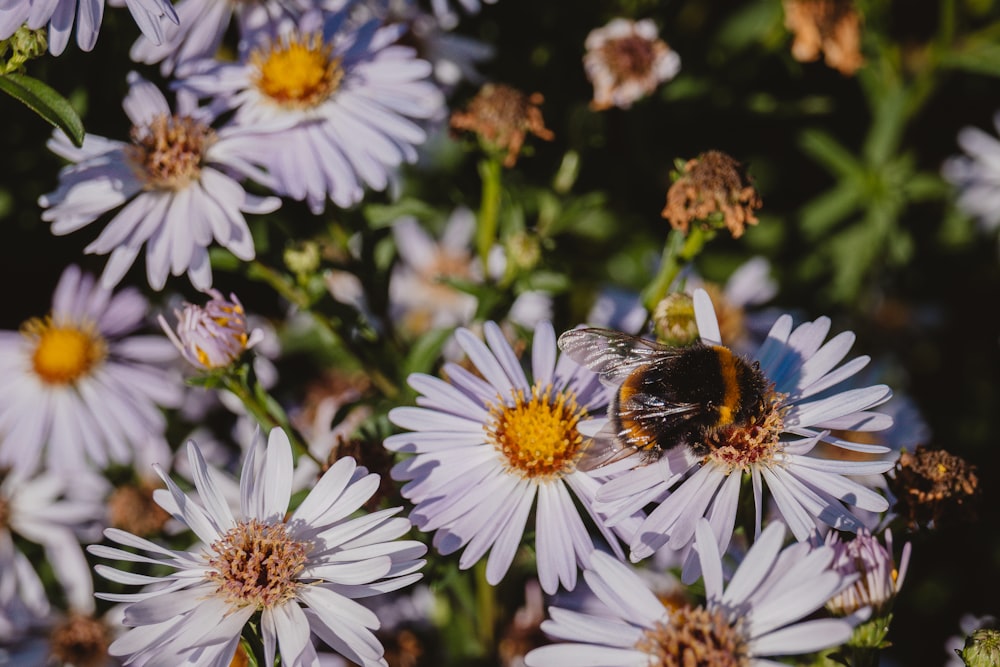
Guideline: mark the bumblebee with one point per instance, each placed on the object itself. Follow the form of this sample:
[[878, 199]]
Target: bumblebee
[[665, 396]]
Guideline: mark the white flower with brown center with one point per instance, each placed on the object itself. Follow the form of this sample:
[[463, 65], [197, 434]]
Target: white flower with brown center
[[775, 449], [299, 571], [757, 615], [626, 61], [176, 183], [79, 388], [489, 446]]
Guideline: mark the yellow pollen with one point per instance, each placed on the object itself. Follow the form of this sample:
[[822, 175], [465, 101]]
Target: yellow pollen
[[297, 72], [537, 435], [64, 353], [257, 564], [739, 446]]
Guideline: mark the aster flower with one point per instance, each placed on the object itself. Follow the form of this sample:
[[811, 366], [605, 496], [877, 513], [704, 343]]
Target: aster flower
[[60, 14], [800, 406], [625, 61], [333, 105], [488, 447], [299, 572], [55, 511], [878, 578], [78, 387], [757, 615], [214, 335], [75, 639], [420, 299], [176, 182], [976, 175]]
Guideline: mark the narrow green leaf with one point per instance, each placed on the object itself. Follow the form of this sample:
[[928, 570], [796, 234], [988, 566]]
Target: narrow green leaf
[[830, 153], [826, 210], [46, 102]]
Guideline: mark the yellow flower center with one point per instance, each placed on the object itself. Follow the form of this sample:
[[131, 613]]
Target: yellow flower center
[[64, 353], [257, 564], [741, 445], [297, 72], [537, 434], [168, 153]]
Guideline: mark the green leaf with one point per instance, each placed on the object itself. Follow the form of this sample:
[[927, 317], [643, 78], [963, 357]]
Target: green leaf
[[826, 210], [980, 56], [46, 102], [830, 154]]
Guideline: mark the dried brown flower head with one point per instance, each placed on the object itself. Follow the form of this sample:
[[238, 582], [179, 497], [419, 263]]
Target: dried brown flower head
[[830, 27], [131, 508], [80, 640], [712, 190], [932, 485], [502, 117], [626, 60]]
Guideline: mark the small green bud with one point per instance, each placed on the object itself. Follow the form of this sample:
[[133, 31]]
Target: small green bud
[[982, 648], [524, 250], [21, 47], [304, 259], [673, 320]]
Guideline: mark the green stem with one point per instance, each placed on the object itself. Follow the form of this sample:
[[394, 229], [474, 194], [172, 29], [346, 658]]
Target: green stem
[[253, 646], [281, 285], [485, 608], [265, 416], [491, 172], [677, 249]]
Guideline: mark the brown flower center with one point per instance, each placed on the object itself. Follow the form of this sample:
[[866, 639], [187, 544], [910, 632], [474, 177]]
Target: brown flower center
[[80, 641], [630, 57], [257, 564], [537, 435], [695, 637], [741, 445], [168, 153]]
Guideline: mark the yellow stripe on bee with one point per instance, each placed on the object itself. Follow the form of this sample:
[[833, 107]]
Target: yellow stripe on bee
[[730, 383], [631, 429]]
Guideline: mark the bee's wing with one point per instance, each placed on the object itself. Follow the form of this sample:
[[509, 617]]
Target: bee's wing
[[613, 355], [605, 447]]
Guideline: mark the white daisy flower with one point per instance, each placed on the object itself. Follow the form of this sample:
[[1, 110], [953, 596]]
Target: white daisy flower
[[300, 572], [55, 511], [976, 175], [60, 14], [333, 105], [420, 299], [78, 387], [757, 615], [799, 409], [487, 447], [176, 186], [626, 61]]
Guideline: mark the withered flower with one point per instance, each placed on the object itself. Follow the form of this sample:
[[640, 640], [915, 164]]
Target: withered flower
[[712, 190], [932, 485], [626, 60], [502, 116], [830, 27]]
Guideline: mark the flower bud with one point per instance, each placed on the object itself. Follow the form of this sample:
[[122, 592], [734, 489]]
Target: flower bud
[[212, 336]]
